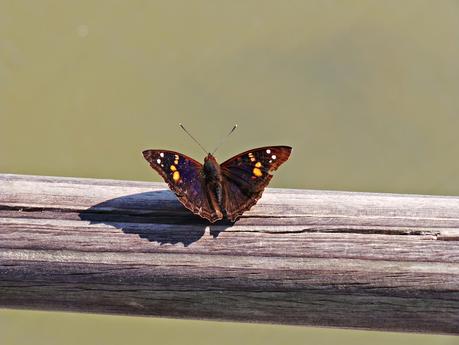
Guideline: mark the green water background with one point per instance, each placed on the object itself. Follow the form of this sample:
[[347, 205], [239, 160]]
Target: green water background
[[366, 92]]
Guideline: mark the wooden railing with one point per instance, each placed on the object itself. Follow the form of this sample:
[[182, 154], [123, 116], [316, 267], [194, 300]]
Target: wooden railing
[[321, 258]]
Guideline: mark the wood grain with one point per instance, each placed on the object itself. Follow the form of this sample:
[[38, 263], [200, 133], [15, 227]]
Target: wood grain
[[339, 259]]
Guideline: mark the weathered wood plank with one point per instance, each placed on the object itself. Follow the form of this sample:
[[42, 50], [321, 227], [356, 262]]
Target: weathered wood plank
[[363, 260]]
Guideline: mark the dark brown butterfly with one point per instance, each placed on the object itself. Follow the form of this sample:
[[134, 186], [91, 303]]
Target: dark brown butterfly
[[214, 190]]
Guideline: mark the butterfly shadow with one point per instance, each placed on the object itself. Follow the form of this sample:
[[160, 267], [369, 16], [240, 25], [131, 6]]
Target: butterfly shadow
[[156, 216]]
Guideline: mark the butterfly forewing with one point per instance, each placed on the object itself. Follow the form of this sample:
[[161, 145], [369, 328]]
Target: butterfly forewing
[[184, 177], [246, 176]]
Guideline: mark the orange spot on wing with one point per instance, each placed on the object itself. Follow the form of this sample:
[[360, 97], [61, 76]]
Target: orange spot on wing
[[176, 176], [257, 172]]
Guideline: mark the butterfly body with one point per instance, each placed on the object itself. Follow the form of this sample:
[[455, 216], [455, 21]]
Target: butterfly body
[[214, 190], [213, 182]]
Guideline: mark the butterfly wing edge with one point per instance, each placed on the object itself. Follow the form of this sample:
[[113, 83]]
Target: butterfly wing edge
[[286, 151]]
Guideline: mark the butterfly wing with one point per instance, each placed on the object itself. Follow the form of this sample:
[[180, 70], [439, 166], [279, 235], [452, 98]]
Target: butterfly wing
[[246, 176], [184, 177]]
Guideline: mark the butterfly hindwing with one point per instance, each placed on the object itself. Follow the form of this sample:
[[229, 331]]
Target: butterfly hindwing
[[246, 176], [184, 177]]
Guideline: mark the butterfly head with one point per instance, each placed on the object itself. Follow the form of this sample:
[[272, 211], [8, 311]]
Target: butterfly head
[[211, 167], [210, 162], [209, 157]]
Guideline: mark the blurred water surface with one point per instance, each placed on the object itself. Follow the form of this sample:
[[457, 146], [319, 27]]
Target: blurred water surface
[[365, 91]]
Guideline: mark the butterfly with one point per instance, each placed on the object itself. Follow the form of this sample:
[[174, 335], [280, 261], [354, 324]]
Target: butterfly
[[215, 191]]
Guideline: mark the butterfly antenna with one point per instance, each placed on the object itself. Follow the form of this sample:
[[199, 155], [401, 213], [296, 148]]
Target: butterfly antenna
[[224, 138], [197, 142]]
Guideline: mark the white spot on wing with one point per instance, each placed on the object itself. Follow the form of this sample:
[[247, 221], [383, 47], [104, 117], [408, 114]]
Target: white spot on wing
[[158, 161], [268, 151], [273, 157], [162, 154]]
